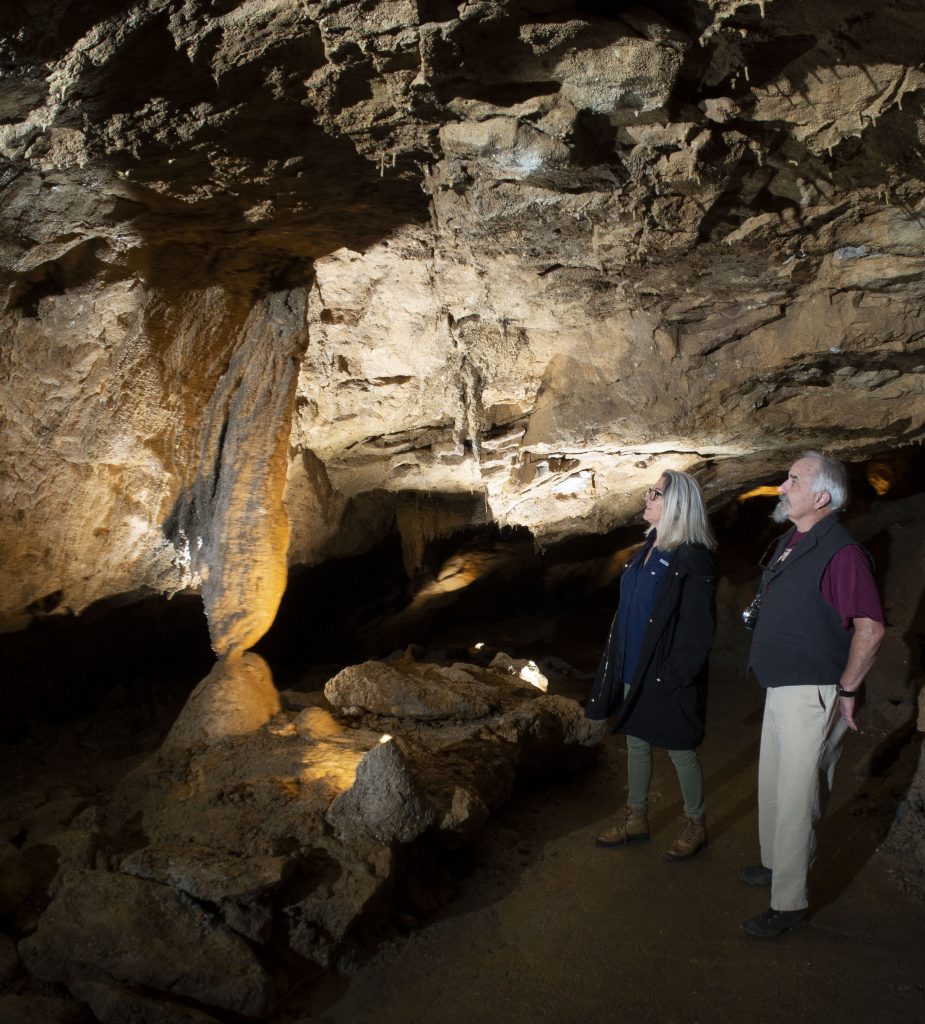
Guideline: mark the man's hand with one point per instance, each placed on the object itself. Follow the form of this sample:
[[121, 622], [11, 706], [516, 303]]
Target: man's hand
[[846, 708], [864, 643]]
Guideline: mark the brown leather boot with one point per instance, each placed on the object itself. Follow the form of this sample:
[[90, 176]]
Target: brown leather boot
[[633, 829], [692, 837]]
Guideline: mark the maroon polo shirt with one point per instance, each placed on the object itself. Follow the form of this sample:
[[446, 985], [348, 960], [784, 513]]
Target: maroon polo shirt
[[848, 585]]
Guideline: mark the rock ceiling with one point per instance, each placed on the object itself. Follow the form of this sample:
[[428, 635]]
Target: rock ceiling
[[276, 274]]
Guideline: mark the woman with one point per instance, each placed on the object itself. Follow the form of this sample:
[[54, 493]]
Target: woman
[[653, 676]]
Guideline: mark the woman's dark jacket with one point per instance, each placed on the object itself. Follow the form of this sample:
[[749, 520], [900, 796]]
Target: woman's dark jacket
[[666, 703]]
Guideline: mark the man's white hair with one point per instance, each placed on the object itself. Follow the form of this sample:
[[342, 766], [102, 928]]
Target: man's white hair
[[829, 476]]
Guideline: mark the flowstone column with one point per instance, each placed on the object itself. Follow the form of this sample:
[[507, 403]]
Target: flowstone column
[[234, 521]]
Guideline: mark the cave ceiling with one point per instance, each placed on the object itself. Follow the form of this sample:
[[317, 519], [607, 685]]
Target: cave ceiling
[[277, 274]]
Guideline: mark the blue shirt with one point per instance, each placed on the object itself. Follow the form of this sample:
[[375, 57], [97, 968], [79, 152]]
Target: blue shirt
[[638, 586]]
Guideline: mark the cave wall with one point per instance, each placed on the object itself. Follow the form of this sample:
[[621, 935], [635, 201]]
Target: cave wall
[[273, 271]]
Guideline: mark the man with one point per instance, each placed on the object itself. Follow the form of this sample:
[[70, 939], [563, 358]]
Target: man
[[819, 626]]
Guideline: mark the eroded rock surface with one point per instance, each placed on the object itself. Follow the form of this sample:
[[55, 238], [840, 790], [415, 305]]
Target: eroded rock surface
[[511, 258], [112, 927], [229, 858], [276, 277], [235, 698]]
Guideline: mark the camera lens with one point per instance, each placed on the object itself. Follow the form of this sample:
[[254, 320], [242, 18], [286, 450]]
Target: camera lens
[[750, 615]]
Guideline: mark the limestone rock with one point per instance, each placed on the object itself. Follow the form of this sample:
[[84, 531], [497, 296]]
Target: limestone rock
[[114, 928], [596, 732], [34, 1009], [541, 254], [236, 697], [522, 668], [114, 1005], [318, 922], [233, 515], [385, 690], [275, 841], [278, 278], [205, 873], [466, 814], [547, 718], [385, 801], [905, 842]]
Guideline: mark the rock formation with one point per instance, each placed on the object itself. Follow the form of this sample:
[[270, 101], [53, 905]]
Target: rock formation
[[476, 262], [231, 861], [279, 276]]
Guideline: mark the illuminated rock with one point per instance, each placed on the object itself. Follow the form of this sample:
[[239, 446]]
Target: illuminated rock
[[236, 697], [385, 801], [379, 688], [277, 278]]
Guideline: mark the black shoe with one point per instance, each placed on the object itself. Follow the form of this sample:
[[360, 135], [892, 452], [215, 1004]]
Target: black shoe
[[755, 874], [773, 923]]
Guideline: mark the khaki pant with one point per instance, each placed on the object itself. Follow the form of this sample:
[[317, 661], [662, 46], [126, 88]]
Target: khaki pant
[[801, 739]]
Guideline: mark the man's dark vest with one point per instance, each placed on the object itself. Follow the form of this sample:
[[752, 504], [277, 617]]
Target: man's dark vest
[[799, 637]]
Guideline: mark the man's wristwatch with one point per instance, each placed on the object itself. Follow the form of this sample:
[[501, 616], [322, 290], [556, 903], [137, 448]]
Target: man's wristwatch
[[842, 692]]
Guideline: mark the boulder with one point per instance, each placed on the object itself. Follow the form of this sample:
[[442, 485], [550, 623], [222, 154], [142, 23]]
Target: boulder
[[385, 801], [113, 928], [206, 873], [114, 1005], [318, 923], [521, 668], [379, 688]]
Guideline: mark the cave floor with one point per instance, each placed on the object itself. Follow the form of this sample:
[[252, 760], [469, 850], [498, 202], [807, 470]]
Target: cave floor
[[548, 927]]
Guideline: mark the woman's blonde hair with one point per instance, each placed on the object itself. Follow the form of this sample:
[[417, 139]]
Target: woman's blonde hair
[[684, 518]]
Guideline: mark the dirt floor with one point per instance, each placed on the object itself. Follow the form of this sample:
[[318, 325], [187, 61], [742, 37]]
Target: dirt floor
[[548, 927]]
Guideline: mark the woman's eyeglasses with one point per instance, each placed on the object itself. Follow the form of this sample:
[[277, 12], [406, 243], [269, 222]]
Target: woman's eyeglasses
[[653, 494]]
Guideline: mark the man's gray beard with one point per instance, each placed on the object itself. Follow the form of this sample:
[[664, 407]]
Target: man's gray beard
[[779, 515]]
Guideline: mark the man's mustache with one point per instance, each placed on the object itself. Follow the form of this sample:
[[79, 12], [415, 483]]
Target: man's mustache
[[779, 515]]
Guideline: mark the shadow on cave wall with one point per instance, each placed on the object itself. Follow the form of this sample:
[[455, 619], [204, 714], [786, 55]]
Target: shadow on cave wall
[[221, 169]]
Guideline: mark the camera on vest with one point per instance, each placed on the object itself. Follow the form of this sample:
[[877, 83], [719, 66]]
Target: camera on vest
[[750, 615]]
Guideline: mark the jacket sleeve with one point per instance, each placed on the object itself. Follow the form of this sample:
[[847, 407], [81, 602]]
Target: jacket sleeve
[[694, 630]]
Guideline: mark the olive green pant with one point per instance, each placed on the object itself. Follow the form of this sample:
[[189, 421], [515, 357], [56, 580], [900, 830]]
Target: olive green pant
[[639, 774]]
